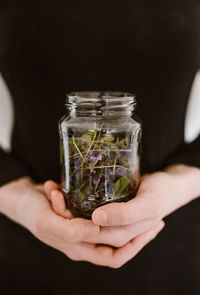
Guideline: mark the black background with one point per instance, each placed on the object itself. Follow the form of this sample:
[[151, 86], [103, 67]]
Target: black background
[[150, 48]]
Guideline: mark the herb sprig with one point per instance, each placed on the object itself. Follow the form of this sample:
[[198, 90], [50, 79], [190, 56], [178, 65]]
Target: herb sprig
[[102, 169]]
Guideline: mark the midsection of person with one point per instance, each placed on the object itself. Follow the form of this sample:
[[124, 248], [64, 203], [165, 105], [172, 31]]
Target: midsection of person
[[148, 48]]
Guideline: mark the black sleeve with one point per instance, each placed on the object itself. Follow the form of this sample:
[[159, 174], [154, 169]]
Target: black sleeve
[[188, 154], [10, 168]]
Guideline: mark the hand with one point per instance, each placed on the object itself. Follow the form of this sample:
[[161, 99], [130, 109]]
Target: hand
[[159, 194], [107, 235], [26, 203]]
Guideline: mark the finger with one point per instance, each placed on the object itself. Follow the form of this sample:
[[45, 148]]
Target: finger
[[124, 213], [108, 256], [40, 188], [118, 236], [49, 186], [53, 227], [58, 204], [132, 248]]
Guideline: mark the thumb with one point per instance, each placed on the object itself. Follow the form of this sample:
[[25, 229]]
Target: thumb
[[49, 186], [58, 204]]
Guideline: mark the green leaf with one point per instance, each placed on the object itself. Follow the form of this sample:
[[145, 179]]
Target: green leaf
[[78, 143], [108, 137], [122, 143], [90, 133], [71, 188], [72, 148], [81, 186], [121, 184], [82, 196], [124, 162], [86, 139]]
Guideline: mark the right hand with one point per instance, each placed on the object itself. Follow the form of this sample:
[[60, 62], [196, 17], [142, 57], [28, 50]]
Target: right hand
[[27, 204]]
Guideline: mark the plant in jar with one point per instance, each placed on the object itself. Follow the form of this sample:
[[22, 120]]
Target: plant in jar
[[98, 166]]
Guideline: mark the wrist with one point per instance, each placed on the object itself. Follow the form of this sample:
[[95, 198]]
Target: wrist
[[181, 169], [187, 180], [10, 195]]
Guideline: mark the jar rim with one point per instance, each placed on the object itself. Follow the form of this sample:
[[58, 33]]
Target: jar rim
[[96, 96], [100, 102]]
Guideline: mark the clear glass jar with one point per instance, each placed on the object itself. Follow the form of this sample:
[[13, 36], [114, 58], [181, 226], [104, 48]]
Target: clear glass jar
[[99, 150]]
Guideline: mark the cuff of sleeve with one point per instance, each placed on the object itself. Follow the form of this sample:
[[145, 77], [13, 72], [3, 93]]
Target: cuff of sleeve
[[188, 154], [10, 168]]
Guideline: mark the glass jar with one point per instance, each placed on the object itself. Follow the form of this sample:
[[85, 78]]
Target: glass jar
[[99, 150]]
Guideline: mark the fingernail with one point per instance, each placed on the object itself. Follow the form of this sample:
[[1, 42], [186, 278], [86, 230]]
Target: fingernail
[[53, 194], [92, 229], [100, 217]]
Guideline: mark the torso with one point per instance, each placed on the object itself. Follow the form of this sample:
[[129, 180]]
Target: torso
[[150, 48]]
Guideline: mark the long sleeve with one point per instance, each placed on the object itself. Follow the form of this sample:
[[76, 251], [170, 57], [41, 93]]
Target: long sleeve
[[10, 168], [188, 154]]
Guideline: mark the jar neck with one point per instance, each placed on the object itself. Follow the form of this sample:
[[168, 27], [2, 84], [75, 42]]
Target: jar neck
[[107, 104], [83, 112]]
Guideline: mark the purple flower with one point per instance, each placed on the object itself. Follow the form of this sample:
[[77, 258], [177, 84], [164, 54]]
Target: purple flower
[[112, 155], [121, 171], [91, 158], [78, 173], [77, 162], [127, 155], [110, 188], [96, 177], [101, 185], [109, 172], [99, 157], [123, 154], [94, 158]]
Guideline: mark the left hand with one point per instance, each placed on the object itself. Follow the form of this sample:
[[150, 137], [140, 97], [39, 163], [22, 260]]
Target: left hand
[[159, 194]]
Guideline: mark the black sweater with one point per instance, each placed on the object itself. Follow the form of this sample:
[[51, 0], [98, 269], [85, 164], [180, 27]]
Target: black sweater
[[151, 48]]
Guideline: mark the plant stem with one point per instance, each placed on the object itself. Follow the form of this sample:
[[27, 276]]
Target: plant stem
[[97, 184], [76, 155], [77, 148], [114, 165], [98, 159], [87, 154], [100, 190], [89, 148], [97, 138], [110, 166], [113, 150]]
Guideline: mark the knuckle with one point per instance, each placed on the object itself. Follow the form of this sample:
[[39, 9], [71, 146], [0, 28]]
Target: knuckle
[[156, 205], [71, 235], [116, 264], [38, 224], [151, 236], [158, 211], [76, 231], [73, 257], [123, 213], [118, 243], [84, 232]]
